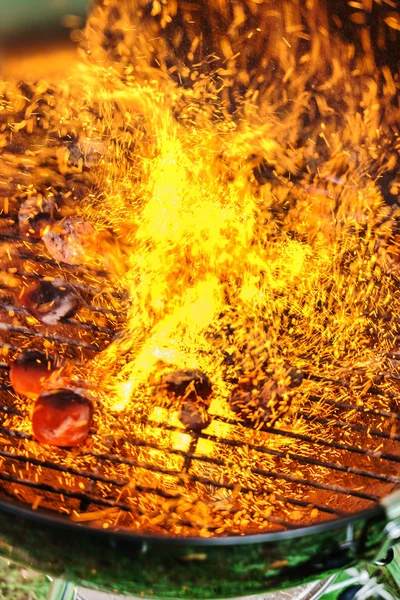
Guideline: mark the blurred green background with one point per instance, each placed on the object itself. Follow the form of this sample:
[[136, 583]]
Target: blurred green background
[[39, 38], [18, 17]]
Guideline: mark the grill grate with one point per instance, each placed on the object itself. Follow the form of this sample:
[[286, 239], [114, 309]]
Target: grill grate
[[145, 471]]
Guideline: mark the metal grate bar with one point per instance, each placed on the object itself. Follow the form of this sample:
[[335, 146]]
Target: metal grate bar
[[93, 308], [15, 433], [286, 499], [360, 409], [72, 322], [190, 455], [151, 490], [53, 263], [79, 473], [45, 487], [6, 367], [268, 474], [352, 426], [104, 311], [148, 467], [79, 286], [89, 498], [170, 472], [218, 462], [48, 336], [319, 486], [15, 237], [308, 460], [10, 410], [211, 482], [375, 391], [314, 440]]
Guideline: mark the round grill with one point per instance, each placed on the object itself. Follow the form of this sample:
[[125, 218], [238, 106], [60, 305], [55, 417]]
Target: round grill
[[335, 451], [143, 471]]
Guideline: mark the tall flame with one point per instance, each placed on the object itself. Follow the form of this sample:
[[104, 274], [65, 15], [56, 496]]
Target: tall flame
[[217, 257]]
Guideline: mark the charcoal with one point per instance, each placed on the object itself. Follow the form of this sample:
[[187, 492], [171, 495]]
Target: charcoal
[[194, 415], [50, 301], [30, 372], [69, 240], [35, 214], [190, 383], [296, 377], [62, 417], [260, 406]]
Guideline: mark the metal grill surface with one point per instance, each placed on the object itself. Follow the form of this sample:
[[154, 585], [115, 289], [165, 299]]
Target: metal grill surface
[[143, 471]]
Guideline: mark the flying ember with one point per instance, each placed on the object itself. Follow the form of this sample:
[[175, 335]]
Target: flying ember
[[250, 225], [227, 175]]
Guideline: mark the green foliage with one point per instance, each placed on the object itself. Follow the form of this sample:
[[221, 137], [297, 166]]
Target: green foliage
[[20, 584]]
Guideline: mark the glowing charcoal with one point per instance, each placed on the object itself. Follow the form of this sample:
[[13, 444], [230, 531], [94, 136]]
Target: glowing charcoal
[[194, 390], [30, 373], [296, 377], [62, 418], [50, 301], [70, 241]]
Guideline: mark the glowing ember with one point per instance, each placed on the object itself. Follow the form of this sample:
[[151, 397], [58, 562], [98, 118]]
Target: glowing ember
[[31, 372], [61, 417], [235, 169]]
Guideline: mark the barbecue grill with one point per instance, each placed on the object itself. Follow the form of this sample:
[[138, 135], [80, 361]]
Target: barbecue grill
[[148, 506]]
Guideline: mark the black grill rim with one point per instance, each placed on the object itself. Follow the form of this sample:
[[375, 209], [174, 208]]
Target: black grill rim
[[47, 517]]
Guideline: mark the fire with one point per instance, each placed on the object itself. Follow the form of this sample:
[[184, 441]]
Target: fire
[[194, 228], [237, 164], [194, 257], [215, 264]]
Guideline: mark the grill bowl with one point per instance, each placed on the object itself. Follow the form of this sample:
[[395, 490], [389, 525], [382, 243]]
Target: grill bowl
[[360, 465]]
